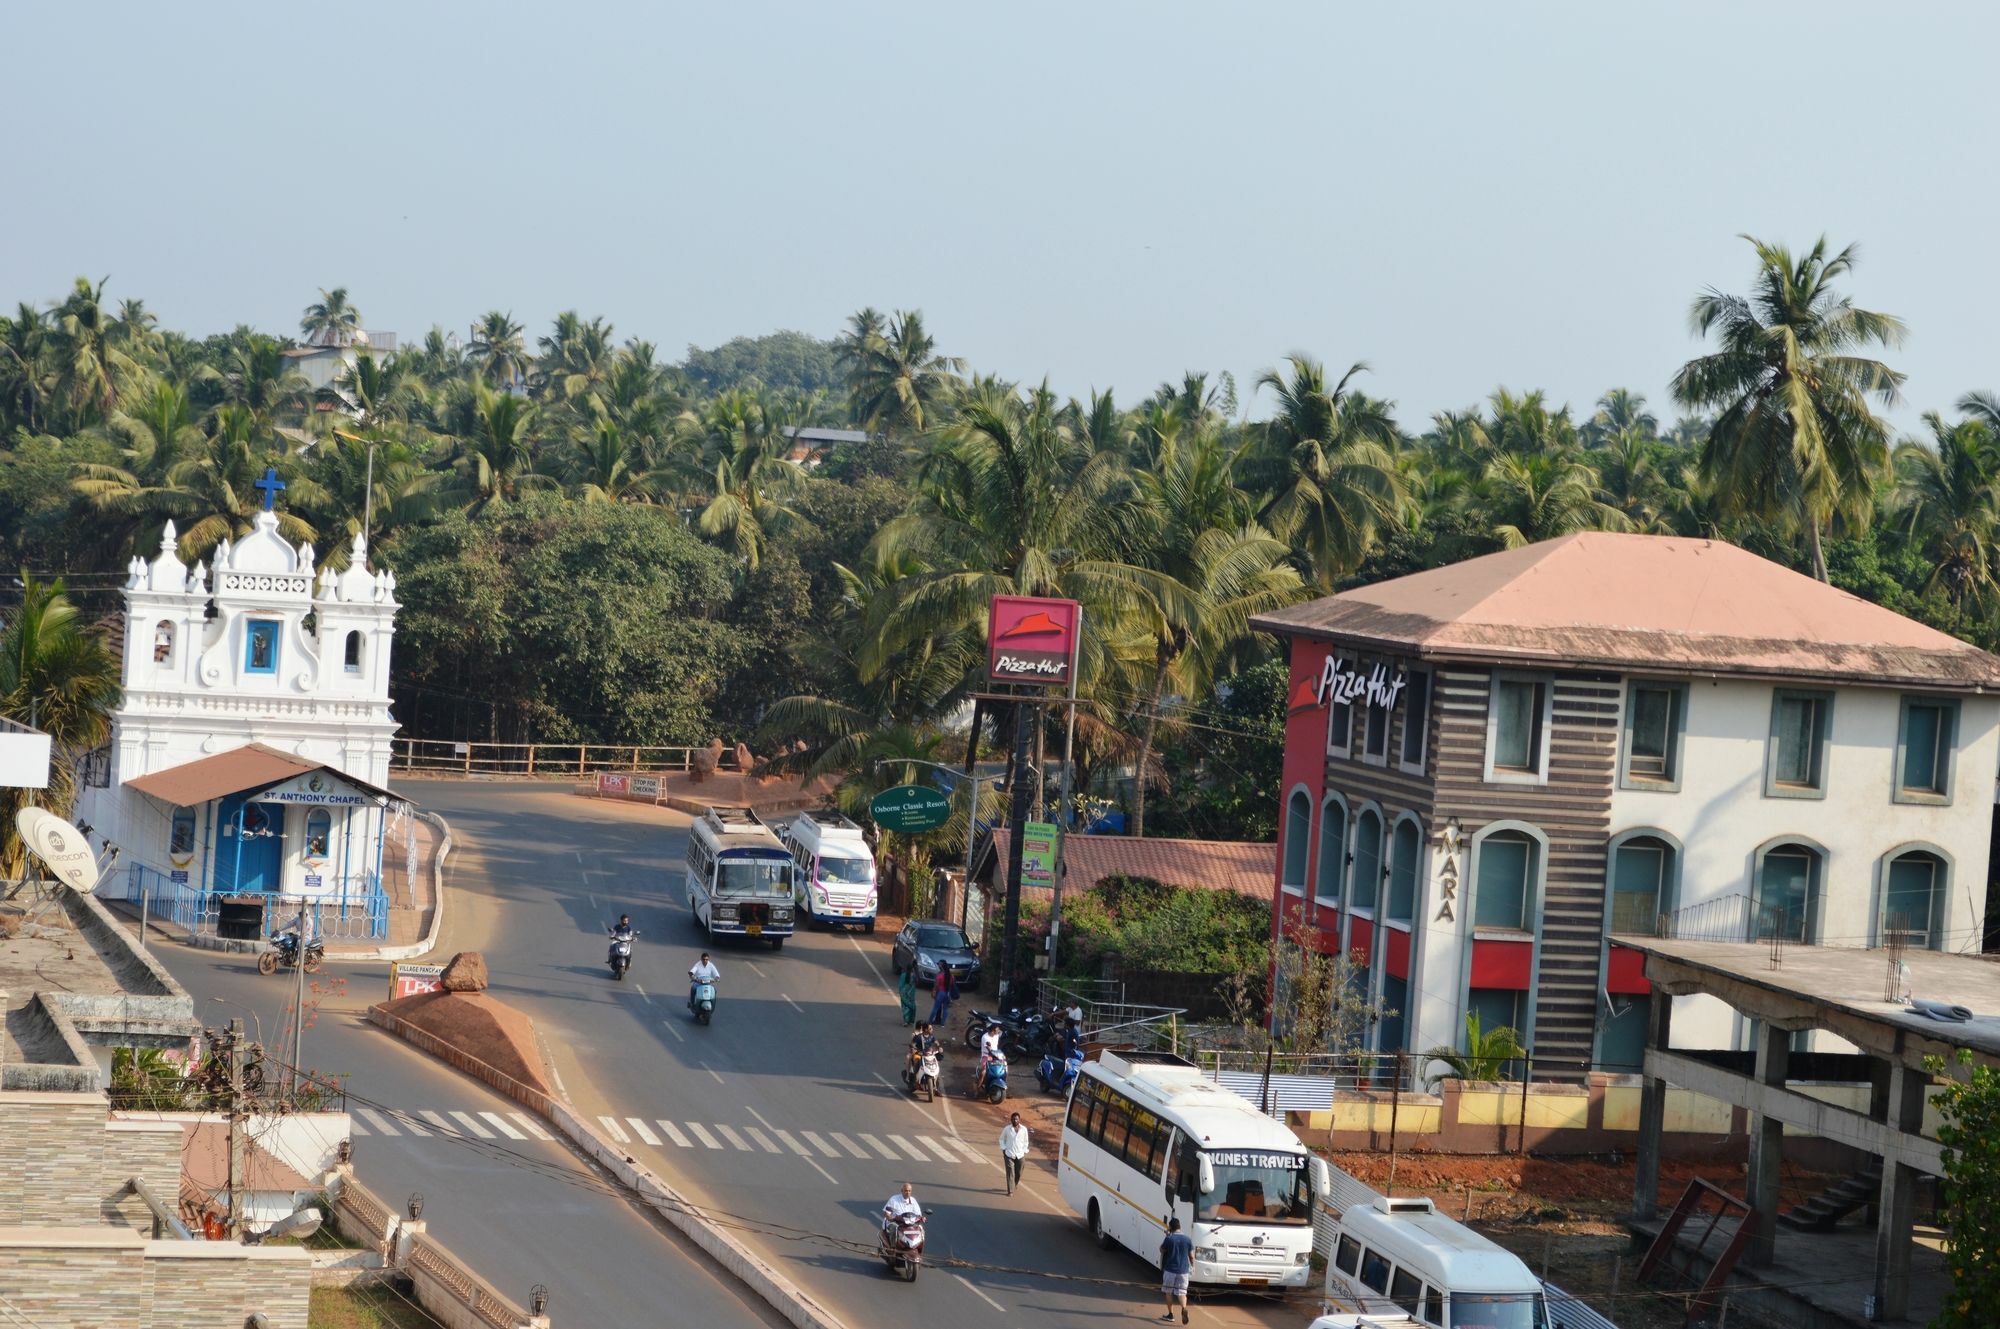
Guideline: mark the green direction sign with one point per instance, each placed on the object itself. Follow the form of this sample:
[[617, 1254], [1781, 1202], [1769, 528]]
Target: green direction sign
[[910, 809]]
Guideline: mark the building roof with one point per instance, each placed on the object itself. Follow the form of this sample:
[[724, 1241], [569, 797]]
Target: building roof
[[205, 1165], [1245, 867], [252, 767], [1652, 602]]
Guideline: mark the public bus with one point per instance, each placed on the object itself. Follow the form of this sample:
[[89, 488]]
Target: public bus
[[739, 877], [1399, 1254], [1148, 1138]]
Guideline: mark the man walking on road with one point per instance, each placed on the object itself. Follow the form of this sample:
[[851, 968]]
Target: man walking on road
[[1013, 1150], [1176, 1261]]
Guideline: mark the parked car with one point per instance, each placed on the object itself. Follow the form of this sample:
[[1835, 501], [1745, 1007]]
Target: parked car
[[925, 943]]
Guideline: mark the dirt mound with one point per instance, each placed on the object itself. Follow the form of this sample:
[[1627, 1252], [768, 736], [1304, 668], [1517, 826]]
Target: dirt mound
[[479, 1027]]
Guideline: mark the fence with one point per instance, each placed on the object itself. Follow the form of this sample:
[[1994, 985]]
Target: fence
[[553, 761], [1732, 918], [447, 1290], [357, 907]]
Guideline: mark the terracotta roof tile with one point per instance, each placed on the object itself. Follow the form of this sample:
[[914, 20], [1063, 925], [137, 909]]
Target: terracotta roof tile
[[1244, 867], [254, 766]]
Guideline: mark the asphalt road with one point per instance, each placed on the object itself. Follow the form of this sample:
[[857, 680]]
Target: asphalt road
[[781, 1113], [518, 1209]]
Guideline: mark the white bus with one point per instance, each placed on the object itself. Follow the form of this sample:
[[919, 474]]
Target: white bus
[[833, 870], [1147, 1139], [1400, 1254], [739, 878]]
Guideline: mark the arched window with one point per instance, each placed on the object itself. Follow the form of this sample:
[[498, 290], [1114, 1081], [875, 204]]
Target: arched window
[[1368, 860], [319, 831], [1298, 834], [1405, 851], [1787, 892], [353, 652], [1332, 852], [163, 642], [1642, 876], [1913, 899], [1504, 886]]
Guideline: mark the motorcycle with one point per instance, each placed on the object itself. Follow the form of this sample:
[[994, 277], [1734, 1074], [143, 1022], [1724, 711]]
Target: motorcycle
[[702, 1001], [287, 954], [1027, 1032], [620, 958], [920, 1074], [902, 1244], [990, 1080], [1057, 1076]]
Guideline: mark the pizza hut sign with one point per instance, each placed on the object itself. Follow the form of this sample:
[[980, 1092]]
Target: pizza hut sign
[[1032, 640], [1342, 683]]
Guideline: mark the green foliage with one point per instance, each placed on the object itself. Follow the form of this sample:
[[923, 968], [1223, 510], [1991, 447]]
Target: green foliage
[[1488, 1055], [1149, 925], [1227, 772], [789, 361], [1969, 1129]]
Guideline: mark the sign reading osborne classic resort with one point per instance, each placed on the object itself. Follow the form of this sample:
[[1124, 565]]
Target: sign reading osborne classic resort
[[1032, 640], [910, 809]]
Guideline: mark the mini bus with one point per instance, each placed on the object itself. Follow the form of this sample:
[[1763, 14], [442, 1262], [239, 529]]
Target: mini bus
[[739, 877], [1399, 1254], [1147, 1138], [833, 871]]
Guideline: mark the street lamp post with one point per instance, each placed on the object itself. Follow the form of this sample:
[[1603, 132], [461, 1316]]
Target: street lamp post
[[971, 810]]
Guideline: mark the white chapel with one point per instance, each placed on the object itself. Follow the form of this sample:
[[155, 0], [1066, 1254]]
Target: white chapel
[[250, 755]]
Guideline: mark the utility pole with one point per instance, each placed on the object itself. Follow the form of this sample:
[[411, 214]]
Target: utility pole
[[307, 928], [1018, 820], [239, 1172]]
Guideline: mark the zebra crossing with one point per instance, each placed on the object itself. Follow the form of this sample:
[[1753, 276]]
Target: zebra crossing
[[721, 1137]]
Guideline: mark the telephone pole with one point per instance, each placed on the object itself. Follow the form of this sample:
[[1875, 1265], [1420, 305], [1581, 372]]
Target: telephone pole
[[239, 1172], [306, 928]]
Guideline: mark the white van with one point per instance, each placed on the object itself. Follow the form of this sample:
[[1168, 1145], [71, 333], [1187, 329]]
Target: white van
[[1399, 1254], [834, 877]]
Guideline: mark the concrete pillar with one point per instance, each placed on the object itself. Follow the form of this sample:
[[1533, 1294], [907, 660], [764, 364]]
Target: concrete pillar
[[1895, 1210], [1652, 1112], [1767, 1144]]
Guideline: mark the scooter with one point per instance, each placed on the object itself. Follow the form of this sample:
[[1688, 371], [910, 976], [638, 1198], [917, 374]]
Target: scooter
[[620, 958], [990, 1080], [902, 1244], [1027, 1032], [1058, 1076], [702, 1001], [287, 954], [921, 1074]]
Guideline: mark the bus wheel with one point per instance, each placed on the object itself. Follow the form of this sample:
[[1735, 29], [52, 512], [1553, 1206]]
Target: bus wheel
[[777, 943], [1097, 1232]]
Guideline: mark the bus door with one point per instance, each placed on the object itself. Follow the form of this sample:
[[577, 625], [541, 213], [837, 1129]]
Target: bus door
[[1182, 1182]]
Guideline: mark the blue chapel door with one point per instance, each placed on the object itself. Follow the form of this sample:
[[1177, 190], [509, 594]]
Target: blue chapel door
[[252, 860]]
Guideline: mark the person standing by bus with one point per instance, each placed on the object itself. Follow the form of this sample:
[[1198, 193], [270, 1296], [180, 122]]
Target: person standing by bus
[[1176, 1262]]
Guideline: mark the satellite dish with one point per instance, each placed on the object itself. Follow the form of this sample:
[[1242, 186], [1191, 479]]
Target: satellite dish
[[301, 1224], [60, 845]]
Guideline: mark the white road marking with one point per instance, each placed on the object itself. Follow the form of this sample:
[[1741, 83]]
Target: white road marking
[[938, 1149], [669, 1024], [473, 1126], [674, 1133], [409, 1123], [848, 1144], [795, 1006], [438, 1121], [645, 1131], [579, 854], [758, 967], [976, 1155], [354, 1127], [617, 1132], [822, 1171], [901, 1094], [910, 1149], [593, 901], [531, 1126], [733, 1137], [642, 991], [378, 1121], [793, 1144], [711, 1071], [820, 1144], [701, 1133], [505, 1127], [762, 1139], [982, 1296], [879, 1147]]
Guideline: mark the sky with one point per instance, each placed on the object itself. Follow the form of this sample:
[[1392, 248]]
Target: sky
[[1464, 196]]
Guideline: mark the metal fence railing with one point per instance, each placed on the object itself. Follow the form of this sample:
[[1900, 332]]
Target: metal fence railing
[[410, 756], [355, 909]]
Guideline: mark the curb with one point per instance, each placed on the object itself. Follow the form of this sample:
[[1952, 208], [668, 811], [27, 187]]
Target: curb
[[688, 1218]]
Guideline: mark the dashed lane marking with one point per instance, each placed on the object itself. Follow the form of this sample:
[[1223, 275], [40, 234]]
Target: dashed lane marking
[[981, 1295], [472, 1125], [674, 1134], [794, 1145], [617, 1132]]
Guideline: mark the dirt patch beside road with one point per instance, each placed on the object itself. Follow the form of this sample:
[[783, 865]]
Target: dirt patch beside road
[[479, 1027]]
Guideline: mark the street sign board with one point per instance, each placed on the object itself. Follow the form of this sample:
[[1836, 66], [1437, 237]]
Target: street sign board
[[1038, 854], [409, 980], [1032, 640], [910, 809]]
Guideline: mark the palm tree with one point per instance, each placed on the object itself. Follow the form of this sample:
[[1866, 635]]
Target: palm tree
[[497, 461], [25, 383], [1947, 505], [330, 320], [90, 366], [749, 473], [1621, 413], [1795, 441], [257, 378], [498, 351], [383, 390], [213, 492], [897, 380], [1489, 1054], [575, 361], [606, 468], [1324, 460], [1535, 498], [404, 489], [153, 435], [58, 676]]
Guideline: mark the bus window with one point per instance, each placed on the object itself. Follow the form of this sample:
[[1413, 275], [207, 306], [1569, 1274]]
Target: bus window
[[1498, 1310], [1374, 1270], [1257, 1186], [1080, 1104], [1139, 1144], [1348, 1257], [1406, 1290], [1181, 1170], [1434, 1307], [1117, 1125]]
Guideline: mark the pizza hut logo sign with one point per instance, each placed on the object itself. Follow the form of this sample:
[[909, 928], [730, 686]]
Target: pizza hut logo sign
[[1030, 639]]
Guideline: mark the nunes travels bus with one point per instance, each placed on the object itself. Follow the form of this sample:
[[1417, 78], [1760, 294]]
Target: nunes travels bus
[[739, 878], [1148, 1138], [834, 876]]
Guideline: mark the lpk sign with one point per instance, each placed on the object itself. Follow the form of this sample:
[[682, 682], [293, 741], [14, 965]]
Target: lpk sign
[[1032, 640]]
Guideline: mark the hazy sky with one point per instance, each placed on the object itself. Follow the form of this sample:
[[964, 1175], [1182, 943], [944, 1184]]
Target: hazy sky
[[1462, 195]]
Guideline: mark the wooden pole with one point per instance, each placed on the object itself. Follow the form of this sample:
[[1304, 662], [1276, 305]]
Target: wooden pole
[[1395, 1109], [239, 1172]]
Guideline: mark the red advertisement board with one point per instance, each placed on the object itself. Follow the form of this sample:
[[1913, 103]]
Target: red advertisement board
[[1032, 640]]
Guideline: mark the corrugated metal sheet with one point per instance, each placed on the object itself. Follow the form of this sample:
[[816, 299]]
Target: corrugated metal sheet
[[1294, 1093], [1570, 1312]]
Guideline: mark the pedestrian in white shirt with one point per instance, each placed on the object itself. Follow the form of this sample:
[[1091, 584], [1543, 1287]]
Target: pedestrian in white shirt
[[1013, 1150]]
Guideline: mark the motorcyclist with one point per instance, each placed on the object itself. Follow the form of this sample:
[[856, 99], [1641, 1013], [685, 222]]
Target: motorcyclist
[[989, 1049], [921, 1042], [300, 930], [904, 1201], [622, 930], [703, 971]]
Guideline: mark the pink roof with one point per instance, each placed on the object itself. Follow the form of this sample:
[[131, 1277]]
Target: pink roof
[[1655, 602], [1244, 867]]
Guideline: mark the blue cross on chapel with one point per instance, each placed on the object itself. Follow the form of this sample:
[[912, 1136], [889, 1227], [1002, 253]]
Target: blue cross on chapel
[[270, 484]]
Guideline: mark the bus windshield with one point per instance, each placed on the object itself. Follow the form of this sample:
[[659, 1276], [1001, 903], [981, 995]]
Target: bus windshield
[[753, 876], [1498, 1310], [847, 871], [1256, 1186]]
